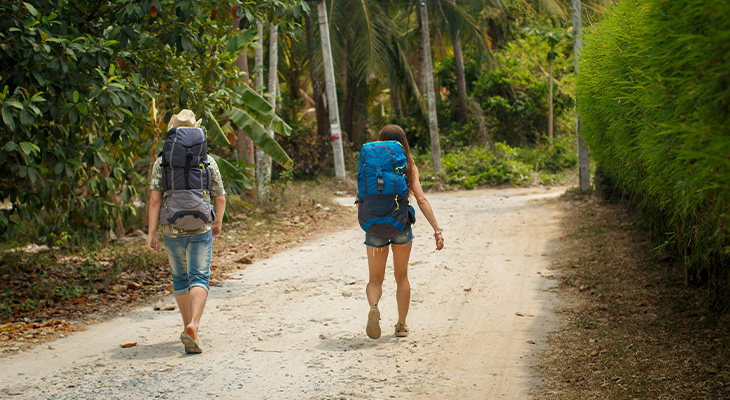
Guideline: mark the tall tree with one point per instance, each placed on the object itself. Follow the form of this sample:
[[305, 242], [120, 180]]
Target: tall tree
[[428, 69], [244, 145], [260, 155], [329, 76], [263, 164], [584, 176], [318, 94]]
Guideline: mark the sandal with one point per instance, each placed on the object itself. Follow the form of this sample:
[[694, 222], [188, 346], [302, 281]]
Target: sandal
[[373, 326], [191, 345], [401, 330]]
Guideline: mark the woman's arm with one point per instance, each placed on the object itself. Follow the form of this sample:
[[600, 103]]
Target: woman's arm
[[426, 209]]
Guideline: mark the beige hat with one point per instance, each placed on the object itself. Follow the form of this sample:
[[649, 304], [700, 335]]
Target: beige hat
[[184, 118]]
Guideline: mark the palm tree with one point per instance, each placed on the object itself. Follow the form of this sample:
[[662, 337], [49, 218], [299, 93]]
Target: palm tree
[[331, 92], [428, 70]]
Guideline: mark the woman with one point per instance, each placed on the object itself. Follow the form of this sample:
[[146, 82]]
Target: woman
[[377, 247]]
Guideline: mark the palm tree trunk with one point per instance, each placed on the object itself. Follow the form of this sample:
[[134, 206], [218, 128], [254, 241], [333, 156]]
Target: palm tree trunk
[[317, 91], [428, 70], [261, 157], [273, 88], [329, 76], [584, 176], [244, 145], [460, 78], [550, 101], [395, 105]]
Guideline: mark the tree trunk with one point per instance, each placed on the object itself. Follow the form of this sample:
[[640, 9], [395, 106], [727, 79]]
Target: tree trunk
[[260, 156], [244, 145], [550, 101], [428, 69], [329, 76], [460, 78], [317, 92], [583, 161], [263, 164], [394, 95], [395, 98]]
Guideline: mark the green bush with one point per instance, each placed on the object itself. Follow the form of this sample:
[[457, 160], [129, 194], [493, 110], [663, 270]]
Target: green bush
[[514, 96], [471, 167], [655, 101]]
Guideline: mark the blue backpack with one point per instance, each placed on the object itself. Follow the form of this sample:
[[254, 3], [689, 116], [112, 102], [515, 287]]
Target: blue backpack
[[382, 189]]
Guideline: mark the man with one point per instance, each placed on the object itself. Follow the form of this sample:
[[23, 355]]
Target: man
[[188, 250]]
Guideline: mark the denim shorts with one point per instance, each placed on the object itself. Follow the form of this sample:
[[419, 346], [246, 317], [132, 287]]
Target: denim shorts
[[402, 238], [189, 258]]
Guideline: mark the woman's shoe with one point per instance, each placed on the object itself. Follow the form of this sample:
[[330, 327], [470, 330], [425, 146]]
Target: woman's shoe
[[401, 330], [373, 326]]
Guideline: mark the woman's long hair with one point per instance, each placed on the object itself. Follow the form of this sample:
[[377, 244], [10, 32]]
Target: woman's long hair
[[395, 132]]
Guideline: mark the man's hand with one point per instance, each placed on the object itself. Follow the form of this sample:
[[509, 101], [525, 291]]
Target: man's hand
[[216, 229], [153, 242]]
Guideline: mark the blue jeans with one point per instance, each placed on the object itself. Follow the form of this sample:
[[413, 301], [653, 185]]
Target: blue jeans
[[402, 238], [189, 258]]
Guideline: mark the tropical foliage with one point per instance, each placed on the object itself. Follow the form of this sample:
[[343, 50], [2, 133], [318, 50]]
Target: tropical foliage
[[86, 90], [654, 101]]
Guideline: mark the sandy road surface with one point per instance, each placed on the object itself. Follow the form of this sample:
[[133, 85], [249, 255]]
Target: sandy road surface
[[293, 326]]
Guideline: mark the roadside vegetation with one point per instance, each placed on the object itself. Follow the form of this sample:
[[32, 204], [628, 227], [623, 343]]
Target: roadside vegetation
[[654, 96]]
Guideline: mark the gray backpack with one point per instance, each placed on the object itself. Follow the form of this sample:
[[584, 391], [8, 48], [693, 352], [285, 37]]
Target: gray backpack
[[186, 180]]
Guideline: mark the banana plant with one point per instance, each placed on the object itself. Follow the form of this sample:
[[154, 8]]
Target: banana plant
[[252, 114]]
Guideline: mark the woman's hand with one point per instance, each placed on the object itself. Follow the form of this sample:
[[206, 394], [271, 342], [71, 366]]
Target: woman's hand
[[439, 240]]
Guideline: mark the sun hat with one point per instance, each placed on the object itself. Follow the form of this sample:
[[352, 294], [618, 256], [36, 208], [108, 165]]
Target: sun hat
[[184, 118]]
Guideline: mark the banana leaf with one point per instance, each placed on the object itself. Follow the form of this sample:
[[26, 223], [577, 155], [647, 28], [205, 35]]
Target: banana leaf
[[258, 134], [260, 109], [215, 133]]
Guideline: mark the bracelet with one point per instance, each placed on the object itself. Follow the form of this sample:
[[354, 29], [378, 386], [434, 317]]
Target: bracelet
[[437, 234]]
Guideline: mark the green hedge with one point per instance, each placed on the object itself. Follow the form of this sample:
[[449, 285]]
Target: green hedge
[[654, 98]]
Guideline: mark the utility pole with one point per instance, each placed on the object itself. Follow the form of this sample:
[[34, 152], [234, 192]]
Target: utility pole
[[329, 79], [428, 70], [584, 176]]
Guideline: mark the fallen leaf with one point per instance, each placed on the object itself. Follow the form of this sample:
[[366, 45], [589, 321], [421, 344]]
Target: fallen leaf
[[127, 345], [519, 314], [468, 289], [246, 259], [160, 306], [594, 353], [322, 337], [531, 341]]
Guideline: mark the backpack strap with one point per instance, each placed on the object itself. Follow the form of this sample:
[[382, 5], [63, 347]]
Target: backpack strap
[[165, 182], [188, 160], [208, 175]]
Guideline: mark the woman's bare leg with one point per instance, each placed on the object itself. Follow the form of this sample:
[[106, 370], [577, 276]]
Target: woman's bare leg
[[376, 262], [401, 254]]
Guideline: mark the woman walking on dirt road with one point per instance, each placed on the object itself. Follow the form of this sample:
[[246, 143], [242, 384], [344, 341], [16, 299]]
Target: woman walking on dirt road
[[377, 247]]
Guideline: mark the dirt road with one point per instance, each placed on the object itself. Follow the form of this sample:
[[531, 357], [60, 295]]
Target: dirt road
[[293, 326]]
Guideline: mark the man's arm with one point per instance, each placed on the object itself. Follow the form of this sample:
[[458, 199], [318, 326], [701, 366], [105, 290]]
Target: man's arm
[[220, 209], [153, 242]]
